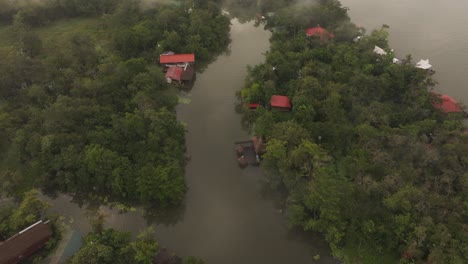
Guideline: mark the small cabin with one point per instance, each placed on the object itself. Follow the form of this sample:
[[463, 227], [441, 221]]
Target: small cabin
[[280, 102], [446, 103], [319, 31], [169, 60], [24, 244]]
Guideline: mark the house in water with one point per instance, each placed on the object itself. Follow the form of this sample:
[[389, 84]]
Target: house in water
[[280, 102], [250, 152], [180, 67], [320, 32], [170, 60], [27, 242]]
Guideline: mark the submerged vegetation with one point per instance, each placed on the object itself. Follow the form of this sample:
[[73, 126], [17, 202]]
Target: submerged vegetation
[[84, 107], [108, 246], [364, 155]]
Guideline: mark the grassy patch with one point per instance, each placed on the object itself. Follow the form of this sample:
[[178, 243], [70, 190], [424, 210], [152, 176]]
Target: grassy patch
[[56, 32]]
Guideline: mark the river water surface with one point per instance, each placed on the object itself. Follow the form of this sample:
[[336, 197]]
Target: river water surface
[[434, 29], [227, 218]]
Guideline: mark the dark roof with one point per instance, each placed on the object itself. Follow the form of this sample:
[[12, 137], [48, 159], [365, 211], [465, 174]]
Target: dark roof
[[164, 257], [175, 73], [448, 104], [319, 31], [177, 58], [25, 243], [187, 74], [280, 101]]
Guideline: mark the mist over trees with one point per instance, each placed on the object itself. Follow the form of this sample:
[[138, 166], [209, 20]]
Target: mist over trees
[[365, 157]]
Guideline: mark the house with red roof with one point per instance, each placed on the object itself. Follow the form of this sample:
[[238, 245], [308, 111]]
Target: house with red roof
[[253, 105], [319, 31], [174, 59], [280, 102], [447, 105]]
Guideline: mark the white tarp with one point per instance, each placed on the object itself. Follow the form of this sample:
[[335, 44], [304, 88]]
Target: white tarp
[[423, 64], [379, 50]]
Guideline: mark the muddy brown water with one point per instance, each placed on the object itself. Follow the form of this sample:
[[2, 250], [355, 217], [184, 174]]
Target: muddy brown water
[[427, 29], [227, 218]]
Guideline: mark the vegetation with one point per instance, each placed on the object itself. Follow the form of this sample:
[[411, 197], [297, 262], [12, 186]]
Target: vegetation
[[84, 109], [108, 246], [364, 155]]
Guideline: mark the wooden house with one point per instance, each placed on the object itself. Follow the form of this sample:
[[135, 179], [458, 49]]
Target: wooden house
[[27, 242]]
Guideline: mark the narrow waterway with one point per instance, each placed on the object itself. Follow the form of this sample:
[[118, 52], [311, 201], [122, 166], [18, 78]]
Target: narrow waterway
[[427, 29], [227, 218]]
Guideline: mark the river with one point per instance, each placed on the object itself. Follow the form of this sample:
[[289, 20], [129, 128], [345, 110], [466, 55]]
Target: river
[[227, 218], [434, 29]]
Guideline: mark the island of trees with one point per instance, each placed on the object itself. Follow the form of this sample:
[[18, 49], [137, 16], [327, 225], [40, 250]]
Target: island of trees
[[365, 157]]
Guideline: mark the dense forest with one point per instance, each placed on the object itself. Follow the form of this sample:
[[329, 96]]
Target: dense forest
[[364, 155], [85, 109], [89, 112]]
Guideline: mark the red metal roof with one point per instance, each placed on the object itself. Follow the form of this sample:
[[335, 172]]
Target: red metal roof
[[253, 105], [319, 31], [448, 105], [177, 58], [280, 101], [175, 73]]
